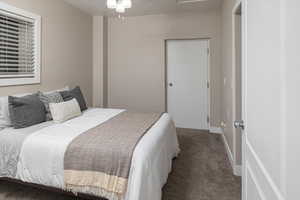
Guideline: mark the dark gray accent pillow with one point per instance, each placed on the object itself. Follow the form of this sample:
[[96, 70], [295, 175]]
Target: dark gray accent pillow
[[26, 111], [77, 94], [47, 98]]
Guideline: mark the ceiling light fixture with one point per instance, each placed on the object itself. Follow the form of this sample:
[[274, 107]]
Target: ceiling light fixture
[[189, 1], [119, 5]]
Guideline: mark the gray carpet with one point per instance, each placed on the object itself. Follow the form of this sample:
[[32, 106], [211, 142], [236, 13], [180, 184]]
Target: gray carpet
[[201, 172]]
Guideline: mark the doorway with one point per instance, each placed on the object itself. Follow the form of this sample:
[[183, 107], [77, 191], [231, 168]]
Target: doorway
[[187, 81]]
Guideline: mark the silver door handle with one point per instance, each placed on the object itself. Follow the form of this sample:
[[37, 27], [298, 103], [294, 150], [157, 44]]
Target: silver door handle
[[239, 124]]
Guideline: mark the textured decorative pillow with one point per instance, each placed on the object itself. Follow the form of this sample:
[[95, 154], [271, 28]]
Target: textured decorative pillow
[[77, 94], [48, 98], [26, 111], [64, 111]]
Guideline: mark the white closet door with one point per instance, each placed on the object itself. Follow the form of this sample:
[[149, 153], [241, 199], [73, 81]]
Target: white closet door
[[187, 79]]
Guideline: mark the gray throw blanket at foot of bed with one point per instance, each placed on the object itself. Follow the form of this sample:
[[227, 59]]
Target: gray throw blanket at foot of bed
[[98, 161]]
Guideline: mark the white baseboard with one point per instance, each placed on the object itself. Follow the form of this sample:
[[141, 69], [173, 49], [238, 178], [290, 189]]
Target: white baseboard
[[228, 151], [217, 130], [237, 169]]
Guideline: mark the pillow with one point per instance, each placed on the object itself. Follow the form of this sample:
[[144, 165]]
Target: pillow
[[26, 111], [58, 90], [47, 98], [77, 94], [4, 111], [64, 111]]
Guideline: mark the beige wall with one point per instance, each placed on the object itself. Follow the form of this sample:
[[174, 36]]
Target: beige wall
[[66, 47], [233, 140], [105, 62], [100, 61], [98, 64], [136, 58]]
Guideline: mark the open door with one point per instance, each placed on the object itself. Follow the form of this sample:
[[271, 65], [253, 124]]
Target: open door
[[264, 133]]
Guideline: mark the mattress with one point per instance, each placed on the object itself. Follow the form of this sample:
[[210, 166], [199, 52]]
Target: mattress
[[36, 154]]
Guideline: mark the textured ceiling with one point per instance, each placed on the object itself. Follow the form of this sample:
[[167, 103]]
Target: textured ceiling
[[144, 7]]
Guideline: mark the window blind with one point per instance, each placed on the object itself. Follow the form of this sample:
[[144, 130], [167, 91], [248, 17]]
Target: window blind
[[17, 47]]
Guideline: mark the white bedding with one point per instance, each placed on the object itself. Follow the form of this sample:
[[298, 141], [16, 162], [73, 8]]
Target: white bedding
[[41, 158]]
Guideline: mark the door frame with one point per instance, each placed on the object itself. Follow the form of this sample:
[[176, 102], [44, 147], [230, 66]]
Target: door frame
[[237, 6], [240, 4], [208, 71]]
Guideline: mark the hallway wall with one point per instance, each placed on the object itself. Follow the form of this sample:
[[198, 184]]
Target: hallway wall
[[227, 76]]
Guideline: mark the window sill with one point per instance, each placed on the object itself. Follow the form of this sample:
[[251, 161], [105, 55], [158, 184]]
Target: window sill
[[18, 81]]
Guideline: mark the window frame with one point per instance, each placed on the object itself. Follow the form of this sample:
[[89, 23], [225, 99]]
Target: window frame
[[10, 81]]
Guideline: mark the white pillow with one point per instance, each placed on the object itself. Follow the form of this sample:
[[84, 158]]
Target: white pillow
[[64, 111], [4, 113]]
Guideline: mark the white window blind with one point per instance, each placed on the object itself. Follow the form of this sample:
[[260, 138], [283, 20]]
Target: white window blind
[[16, 46], [19, 46]]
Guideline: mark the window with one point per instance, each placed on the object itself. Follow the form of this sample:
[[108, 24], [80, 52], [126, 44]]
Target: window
[[20, 33]]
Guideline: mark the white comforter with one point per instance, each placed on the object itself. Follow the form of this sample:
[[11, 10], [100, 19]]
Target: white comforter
[[41, 159]]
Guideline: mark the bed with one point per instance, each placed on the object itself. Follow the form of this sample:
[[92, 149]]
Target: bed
[[36, 154]]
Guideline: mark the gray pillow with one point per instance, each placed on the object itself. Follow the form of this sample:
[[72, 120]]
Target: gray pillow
[[77, 94], [47, 98], [26, 111]]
